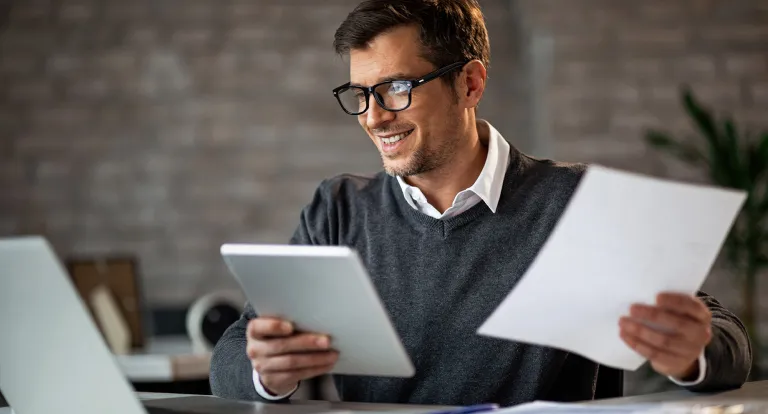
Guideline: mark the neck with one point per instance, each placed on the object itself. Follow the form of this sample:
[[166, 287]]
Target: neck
[[441, 185]]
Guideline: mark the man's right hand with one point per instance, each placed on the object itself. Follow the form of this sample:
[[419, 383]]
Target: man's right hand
[[283, 357]]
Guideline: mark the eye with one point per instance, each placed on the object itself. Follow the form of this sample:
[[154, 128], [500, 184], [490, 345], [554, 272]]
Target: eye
[[359, 94], [398, 88]]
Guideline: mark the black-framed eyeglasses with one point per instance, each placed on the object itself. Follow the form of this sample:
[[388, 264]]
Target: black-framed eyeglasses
[[391, 95]]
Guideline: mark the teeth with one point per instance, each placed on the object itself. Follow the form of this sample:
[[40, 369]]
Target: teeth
[[394, 138]]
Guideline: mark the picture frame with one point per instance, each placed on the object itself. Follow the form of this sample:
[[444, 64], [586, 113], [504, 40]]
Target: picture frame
[[120, 274]]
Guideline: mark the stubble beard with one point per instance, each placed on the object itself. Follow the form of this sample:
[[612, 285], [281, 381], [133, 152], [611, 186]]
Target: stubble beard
[[424, 160]]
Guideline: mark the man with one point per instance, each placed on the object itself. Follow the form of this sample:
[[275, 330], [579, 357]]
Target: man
[[446, 231]]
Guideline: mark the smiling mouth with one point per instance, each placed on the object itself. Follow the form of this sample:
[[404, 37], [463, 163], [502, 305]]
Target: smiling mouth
[[395, 138]]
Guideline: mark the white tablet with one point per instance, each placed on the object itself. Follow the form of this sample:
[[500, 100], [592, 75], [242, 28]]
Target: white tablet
[[323, 289]]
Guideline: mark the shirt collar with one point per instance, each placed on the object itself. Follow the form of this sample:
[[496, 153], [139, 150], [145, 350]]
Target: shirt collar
[[490, 181]]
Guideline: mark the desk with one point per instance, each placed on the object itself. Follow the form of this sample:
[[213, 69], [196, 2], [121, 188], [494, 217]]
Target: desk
[[212, 405], [166, 359], [168, 365], [757, 390], [207, 404]]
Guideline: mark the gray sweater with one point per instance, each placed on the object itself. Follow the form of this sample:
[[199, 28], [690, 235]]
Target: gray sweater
[[440, 279]]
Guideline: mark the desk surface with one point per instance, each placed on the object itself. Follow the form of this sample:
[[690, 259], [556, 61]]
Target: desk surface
[[206, 404], [757, 390]]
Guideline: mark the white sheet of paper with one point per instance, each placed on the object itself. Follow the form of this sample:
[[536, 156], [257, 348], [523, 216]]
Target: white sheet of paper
[[547, 407], [683, 406], [622, 239]]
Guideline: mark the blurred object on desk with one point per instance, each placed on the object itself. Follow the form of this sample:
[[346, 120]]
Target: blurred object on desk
[[110, 320], [211, 315], [167, 364], [119, 274]]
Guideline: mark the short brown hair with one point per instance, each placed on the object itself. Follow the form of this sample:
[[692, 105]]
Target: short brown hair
[[450, 30]]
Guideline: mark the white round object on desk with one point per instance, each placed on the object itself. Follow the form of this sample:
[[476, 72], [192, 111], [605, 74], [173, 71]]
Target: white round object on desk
[[210, 316]]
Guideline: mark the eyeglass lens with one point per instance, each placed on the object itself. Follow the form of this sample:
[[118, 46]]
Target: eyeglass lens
[[393, 96]]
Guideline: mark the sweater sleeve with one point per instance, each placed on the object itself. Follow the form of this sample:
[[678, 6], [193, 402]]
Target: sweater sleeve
[[231, 371], [231, 374], [729, 353]]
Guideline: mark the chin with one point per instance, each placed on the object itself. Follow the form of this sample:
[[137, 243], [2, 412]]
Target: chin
[[398, 169], [392, 170]]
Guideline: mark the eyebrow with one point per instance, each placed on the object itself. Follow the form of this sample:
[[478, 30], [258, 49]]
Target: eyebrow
[[393, 77]]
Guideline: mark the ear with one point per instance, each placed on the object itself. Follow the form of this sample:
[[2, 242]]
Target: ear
[[473, 77]]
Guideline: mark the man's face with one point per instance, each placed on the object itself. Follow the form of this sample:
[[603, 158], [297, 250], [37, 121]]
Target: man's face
[[423, 137]]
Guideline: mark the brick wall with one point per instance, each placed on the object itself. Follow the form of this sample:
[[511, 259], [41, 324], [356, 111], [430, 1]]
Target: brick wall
[[618, 66], [163, 128]]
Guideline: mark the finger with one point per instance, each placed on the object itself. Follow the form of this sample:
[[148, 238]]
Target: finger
[[297, 343], [274, 346], [253, 349], [297, 362], [287, 377], [691, 329], [259, 328], [686, 305], [650, 352], [674, 344]]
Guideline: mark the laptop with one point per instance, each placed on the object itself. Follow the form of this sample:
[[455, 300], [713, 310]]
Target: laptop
[[52, 355]]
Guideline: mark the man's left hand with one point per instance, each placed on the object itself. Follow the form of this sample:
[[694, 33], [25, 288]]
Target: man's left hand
[[684, 329]]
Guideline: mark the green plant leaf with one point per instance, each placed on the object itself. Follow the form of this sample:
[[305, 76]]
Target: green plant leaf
[[731, 139], [732, 248], [703, 119], [659, 139], [760, 157], [762, 260], [761, 154], [737, 174], [682, 150], [763, 206], [760, 247], [755, 163], [764, 145]]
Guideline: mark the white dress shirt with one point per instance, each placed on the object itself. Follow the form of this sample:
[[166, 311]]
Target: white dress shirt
[[487, 188], [263, 391]]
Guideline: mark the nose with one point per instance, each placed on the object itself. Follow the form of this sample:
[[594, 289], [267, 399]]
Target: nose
[[376, 116]]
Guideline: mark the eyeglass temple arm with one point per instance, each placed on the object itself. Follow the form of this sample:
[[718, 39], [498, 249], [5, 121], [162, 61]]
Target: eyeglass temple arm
[[436, 74], [416, 82]]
